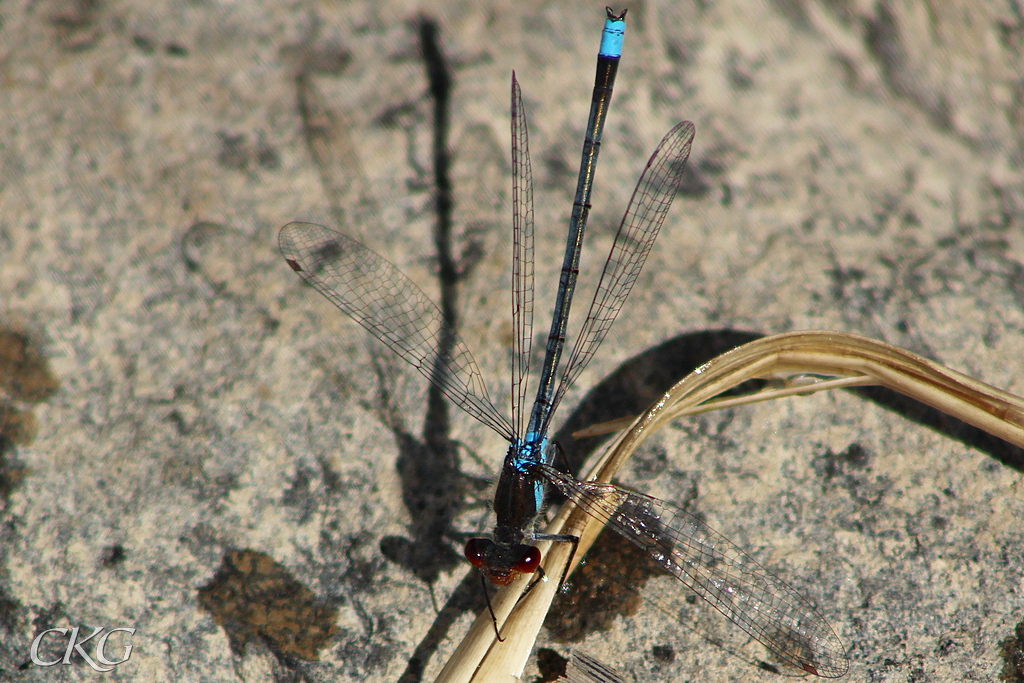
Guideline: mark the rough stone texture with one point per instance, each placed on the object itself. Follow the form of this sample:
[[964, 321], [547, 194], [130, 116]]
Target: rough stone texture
[[857, 166]]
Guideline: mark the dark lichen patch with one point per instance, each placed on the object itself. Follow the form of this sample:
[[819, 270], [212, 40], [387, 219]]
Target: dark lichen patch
[[11, 613], [238, 153], [1012, 651], [176, 50], [24, 372], [76, 25], [113, 555], [12, 471], [665, 654], [25, 378], [253, 598], [851, 470], [16, 426]]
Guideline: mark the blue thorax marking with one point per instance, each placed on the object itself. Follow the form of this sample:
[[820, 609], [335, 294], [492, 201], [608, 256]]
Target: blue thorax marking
[[527, 451]]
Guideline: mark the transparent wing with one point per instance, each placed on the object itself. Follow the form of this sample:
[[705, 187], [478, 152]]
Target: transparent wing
[[586, 669], [710, 565], [384, 301], [639, 228], [522, 259]]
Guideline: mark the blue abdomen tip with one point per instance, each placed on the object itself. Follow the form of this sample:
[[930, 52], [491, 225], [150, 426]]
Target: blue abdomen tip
[[611, 38]]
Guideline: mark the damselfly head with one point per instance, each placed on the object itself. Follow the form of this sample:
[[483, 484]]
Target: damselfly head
[[501, 562]]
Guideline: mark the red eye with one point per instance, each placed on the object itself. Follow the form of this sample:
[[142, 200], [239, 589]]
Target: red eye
[[476, 551], [528, 563]]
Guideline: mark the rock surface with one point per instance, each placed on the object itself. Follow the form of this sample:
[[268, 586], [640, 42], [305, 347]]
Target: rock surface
[[222, 462]]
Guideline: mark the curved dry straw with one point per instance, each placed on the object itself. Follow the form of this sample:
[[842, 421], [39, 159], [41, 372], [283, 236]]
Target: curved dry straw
[[808, 362]]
